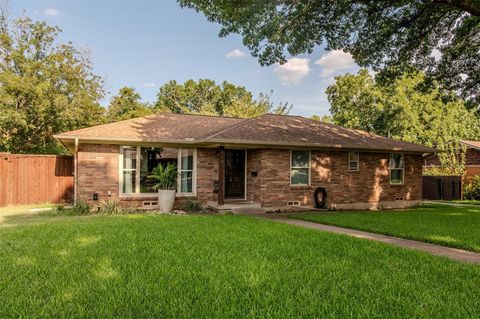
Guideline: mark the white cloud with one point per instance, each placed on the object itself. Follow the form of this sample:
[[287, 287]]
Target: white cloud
[[335, 61], [235, 54], [149, 84], [50, 12], [293, 71]]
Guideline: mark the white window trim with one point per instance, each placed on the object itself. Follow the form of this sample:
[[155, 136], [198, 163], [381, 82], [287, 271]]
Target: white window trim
[[121, 170], [396, 169], [350, 160], [193, 170], [309, 168], [137, 175]]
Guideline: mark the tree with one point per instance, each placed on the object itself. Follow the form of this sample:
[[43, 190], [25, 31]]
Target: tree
[[45, 87], [452, 161], [126, 105], [378, 33], [208, 98], [406, 109], [323, 118]]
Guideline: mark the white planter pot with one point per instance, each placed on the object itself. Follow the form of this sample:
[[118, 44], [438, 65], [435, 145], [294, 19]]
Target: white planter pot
[[166, 199]]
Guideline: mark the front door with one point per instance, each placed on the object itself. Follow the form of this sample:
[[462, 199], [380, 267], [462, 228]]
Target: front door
[[234, 174]]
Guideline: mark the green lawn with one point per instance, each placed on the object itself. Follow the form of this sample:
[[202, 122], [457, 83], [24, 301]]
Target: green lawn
[[440, 224], [155, 266]]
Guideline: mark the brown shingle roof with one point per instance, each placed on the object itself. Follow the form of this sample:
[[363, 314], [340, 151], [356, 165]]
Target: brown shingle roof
[[263, 130], [157, 127], [474, 144], [270, 128]]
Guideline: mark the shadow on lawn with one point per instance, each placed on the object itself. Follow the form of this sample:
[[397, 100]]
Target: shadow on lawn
[[29, 218]]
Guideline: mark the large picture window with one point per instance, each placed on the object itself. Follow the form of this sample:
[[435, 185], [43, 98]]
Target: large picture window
[[300, 168], [138, 163], [397, 168]]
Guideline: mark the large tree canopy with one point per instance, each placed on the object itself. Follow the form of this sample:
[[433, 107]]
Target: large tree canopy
[[441, 37], [406, 109], [206, 97], [45, 87], [127, 104]]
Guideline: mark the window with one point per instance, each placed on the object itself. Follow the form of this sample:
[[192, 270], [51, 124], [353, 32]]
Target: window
[[138, 163], [300, 168], [353, 161], [150, 157], [186, 171], [129, 169], [397, 168]]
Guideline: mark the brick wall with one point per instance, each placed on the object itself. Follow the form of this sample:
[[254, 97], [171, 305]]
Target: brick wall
[[472, 167], [207, 174], [98, 173], [329, 169], [253, 182], [97, 170]]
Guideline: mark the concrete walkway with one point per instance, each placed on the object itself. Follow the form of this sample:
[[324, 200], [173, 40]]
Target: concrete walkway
[[452, 253], [449, 204]]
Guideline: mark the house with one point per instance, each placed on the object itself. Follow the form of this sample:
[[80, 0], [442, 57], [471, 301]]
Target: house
[[472, 158], [272, 160]]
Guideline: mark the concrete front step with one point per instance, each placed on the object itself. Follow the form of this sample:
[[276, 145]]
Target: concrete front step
[[233, 205]]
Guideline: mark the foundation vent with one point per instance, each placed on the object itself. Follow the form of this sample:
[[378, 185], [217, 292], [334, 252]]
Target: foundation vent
[[149, 204]]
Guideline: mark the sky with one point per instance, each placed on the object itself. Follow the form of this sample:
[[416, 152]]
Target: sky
[[146, 44]]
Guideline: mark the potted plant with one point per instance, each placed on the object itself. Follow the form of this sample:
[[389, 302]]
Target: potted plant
[[166, 177]]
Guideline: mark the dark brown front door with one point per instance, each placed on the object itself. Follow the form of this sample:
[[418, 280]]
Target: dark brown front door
[[234, 174]]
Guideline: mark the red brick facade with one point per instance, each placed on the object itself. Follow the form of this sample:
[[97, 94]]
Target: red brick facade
[[98, 172], [369, 185]]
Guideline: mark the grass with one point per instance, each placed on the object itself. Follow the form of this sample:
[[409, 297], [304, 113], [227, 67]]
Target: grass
[[135, 266], [439, 224]]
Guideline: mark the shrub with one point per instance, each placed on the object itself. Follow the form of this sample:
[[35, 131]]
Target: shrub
[[130, 208], [192, 206], [111, 206], [471, 190], [166, 176], [81, 207]]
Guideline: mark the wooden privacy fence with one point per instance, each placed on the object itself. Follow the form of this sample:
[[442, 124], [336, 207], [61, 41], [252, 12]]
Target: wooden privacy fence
[[32, 179], [442, 187]]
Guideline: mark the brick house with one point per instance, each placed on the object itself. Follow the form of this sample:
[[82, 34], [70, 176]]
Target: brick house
[[472, 158], [271, 160]]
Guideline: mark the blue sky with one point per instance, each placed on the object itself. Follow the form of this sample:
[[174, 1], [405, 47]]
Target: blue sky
[[146, 44]]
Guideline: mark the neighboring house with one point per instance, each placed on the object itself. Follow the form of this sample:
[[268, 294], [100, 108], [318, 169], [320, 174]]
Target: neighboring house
[[472, 158], [273, 160]]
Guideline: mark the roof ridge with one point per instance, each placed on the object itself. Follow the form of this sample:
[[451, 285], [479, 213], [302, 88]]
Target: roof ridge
[[204, 115], [236, 125]]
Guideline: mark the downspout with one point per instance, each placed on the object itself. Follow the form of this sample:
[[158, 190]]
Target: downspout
[[75, 171]]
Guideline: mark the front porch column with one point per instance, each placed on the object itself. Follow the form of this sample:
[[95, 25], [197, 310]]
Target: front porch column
[[221, 175]]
